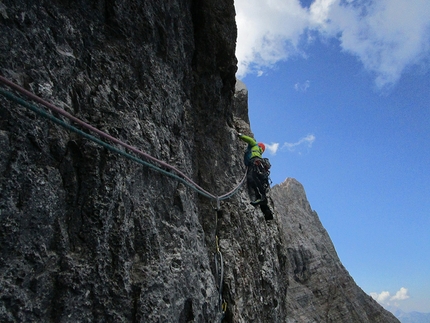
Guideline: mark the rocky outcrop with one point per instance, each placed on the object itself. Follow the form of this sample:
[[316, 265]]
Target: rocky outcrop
[[320, 288], [87, 235]]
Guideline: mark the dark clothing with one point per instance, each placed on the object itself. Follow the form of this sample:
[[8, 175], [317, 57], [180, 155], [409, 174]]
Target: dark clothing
[[257, 179], [257, 176]]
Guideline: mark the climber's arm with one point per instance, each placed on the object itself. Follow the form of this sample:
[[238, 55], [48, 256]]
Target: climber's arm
[[248, 140]]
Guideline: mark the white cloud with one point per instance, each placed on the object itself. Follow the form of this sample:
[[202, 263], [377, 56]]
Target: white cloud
[[303, 142], [268, 31], [401, 295], [387, 36], [382, 297], [385, 298], [272, 148]]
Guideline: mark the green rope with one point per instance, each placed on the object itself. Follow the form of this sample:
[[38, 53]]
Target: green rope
[[60, 122], [218, 262]]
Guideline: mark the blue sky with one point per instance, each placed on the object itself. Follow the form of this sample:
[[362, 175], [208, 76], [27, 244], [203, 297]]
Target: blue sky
[[340, 93]]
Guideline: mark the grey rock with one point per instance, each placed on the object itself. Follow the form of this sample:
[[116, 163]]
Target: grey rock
[[320, 288], [87, 235]]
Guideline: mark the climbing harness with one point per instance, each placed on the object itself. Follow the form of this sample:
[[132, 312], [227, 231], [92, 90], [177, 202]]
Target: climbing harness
[[218, 258]]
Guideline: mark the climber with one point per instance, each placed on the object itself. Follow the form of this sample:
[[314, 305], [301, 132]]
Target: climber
[[257, 174]]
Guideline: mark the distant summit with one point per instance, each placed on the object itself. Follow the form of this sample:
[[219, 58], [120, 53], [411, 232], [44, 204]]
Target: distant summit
[[409, 317]]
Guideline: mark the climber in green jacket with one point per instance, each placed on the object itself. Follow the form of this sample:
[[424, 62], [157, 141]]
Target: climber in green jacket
[[257, 174]]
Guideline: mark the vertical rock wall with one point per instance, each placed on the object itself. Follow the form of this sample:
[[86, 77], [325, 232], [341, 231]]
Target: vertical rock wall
[[89, 236], [86, 235]]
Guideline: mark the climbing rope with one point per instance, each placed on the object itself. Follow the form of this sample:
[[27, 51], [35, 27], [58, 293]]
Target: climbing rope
[[218, 258], [181, 176], [219, 272]]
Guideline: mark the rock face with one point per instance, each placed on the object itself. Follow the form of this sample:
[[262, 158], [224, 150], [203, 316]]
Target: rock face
[[87, 235], [320, 288]]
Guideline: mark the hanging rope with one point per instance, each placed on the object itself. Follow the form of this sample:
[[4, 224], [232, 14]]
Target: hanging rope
[[218, 258], [219, 272], [180, 175]]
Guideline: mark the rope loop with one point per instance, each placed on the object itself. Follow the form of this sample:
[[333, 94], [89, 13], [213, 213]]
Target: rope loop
[[218, 258], [178, 174]]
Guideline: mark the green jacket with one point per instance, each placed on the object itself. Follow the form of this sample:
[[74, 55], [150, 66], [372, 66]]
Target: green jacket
[[256, 151]]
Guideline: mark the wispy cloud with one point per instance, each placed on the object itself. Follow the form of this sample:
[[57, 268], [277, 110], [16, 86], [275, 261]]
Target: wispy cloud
[[305, 142], [387, 36], [385, 297], [302, 87], [302, 144], [272, 148]]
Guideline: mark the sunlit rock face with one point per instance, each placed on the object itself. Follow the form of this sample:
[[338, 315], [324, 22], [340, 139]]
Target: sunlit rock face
[[87, 235], [320, 288]]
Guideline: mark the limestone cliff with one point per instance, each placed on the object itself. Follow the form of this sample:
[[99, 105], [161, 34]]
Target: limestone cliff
[[87, 235], [320, 288]]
